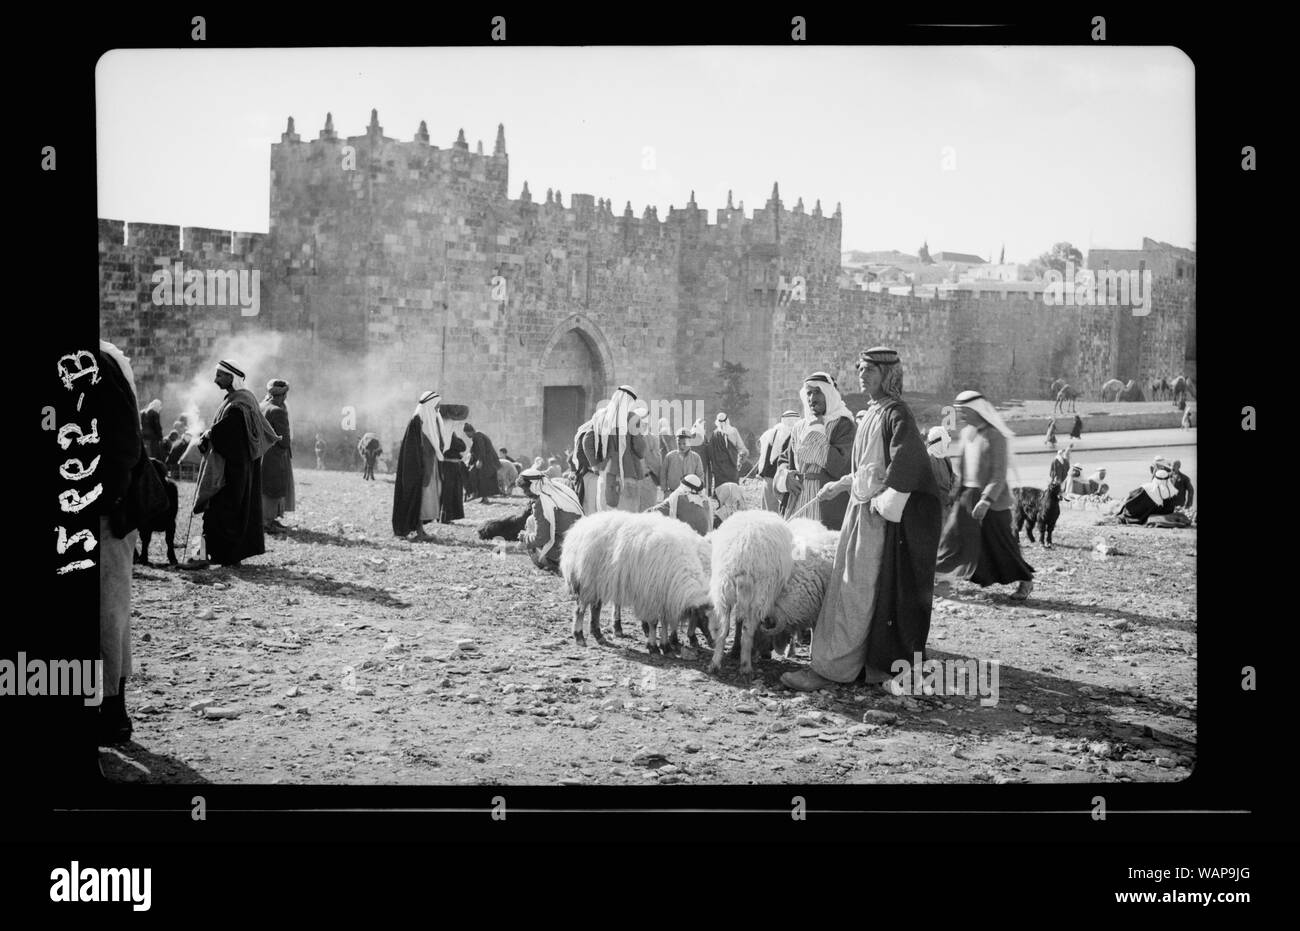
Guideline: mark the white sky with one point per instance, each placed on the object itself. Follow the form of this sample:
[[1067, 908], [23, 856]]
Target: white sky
[[1091, 145]]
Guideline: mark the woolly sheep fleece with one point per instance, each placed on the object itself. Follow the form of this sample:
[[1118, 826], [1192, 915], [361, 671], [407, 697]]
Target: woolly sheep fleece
[[658, 570], [586, 562], [752, 560], [800, 602]]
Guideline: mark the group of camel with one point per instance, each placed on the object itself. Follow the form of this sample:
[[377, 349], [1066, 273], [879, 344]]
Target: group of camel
[[1178, 391]]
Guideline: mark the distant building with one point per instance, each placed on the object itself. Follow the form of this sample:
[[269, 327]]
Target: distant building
[[1007, 271], [961, 258], [1163, 260]]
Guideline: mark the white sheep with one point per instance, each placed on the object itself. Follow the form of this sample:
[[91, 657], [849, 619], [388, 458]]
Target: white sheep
[[587, 565], [660, 570], [752, 560], [797, 607]]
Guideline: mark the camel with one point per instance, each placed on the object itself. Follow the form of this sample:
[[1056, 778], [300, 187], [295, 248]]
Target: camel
[[1065, 394], [1182, 387], [1132, 392], [1110, 391], [1160, 389], [1057, 385]]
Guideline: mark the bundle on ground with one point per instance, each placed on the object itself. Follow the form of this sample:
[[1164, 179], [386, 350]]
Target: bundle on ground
[[752, 560], [587, 565], [660, 572]]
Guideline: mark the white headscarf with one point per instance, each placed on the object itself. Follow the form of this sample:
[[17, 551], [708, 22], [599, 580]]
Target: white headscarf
[[611, 420], [937, 442], [122, 362], [723, 425], [698, 436], [835, 406], [698, 498], [552, 496], [432, 424], [236, 376], [154, 405], [973, 400], [775, 437], [1161, 487]]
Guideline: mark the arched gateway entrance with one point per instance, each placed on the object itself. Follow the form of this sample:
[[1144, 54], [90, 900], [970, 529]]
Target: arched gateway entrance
[[576, 367]]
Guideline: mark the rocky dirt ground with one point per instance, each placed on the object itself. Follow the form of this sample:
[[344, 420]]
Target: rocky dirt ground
[[347, 656]]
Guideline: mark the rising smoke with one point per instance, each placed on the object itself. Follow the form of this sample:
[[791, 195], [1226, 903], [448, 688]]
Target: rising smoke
[[333, 392]]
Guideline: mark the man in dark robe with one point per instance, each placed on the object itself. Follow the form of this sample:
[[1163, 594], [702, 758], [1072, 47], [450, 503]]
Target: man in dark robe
[[1183, 484], [451, 499], [876, 610], [151, 429], [1076, 431], [1152, 499], [277, 464], [725, 448], [417, 485], [556, 508], [483, 465], [230, 483], [978, 543], [821, 445]]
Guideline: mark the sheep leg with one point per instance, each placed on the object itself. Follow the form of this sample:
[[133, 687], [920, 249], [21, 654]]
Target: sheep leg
[[747, 628], [695, 626], [578, 611], [722, 626], [674, 642], [651, 636], [618, 620], [735, 644], [595, 624]]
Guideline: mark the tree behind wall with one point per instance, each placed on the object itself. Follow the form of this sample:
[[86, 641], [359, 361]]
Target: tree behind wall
[[733, 396]]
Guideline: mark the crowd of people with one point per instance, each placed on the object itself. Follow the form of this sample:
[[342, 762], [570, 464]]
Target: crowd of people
[[907, 519]]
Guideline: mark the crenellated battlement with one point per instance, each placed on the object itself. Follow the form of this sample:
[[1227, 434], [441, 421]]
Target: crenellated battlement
[[410, 261]]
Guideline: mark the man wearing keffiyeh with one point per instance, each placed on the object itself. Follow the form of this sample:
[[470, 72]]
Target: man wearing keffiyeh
[[820, 446], [417, 486], [771, 447], [555, 509], [876, 610], [277, 464], [230, 483]]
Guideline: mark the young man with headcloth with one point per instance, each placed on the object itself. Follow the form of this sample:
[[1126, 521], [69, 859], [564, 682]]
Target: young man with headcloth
[[689, 504], [277, 464], [876, 610], [821, 444], [417, 485], [555, 509], [230, 485], [979, 544], [772, 446], [679, 463]]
